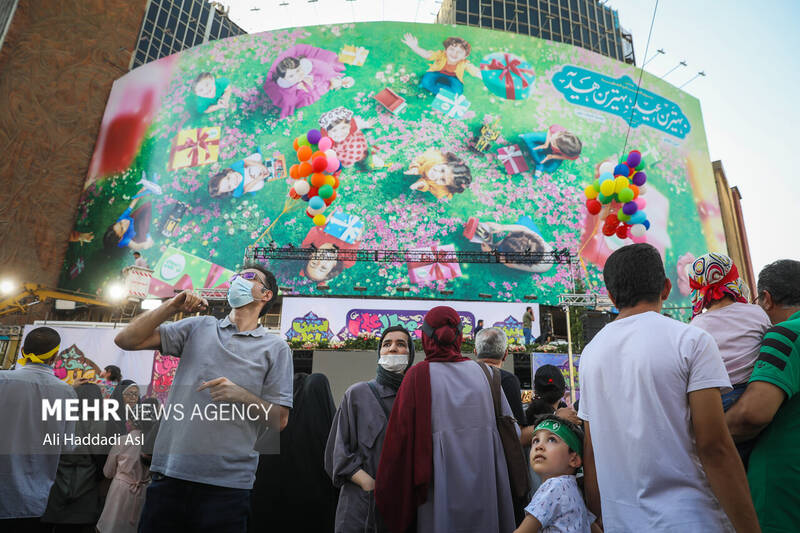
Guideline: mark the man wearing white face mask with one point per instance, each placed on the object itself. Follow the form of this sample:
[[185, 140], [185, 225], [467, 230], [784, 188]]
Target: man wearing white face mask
[[356, 437], [233, 379]]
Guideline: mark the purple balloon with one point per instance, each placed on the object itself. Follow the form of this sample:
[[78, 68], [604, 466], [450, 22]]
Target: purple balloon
[[634, 158], [630, 208], [622, 170], [639, 179], [313, 136]]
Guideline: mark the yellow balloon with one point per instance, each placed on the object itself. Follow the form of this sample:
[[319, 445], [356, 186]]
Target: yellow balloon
[[620, 182], [607, 188], [590, 192], [320, 220], [329, 180]]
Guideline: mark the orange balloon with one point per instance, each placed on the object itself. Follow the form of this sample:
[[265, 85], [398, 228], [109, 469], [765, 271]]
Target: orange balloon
[[295, 145], [335, 182], [328, 201], [294, 172], [329, 180], [331, 198], [318, 153], [317, 180], [304, 153], [304, 169], [635, 190]]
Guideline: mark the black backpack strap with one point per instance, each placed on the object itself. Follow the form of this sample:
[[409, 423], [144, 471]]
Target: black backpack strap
[[374, 390], [494, 385]]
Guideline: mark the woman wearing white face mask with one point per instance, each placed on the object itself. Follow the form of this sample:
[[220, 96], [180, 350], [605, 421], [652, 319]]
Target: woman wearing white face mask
[[356, 437]]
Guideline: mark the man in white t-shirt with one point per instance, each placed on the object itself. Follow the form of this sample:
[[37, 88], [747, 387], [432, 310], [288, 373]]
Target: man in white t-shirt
[[657, 453]]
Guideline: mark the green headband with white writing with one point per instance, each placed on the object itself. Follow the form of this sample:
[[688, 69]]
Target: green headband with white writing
[[564, 432]]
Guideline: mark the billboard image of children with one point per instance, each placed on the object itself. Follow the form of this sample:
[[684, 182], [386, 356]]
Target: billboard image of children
[[326, 262], [209, 94], [245, 176], [448, 65], [345, 130], [510, 239], [301, 75], [552, 147], [442, 174]]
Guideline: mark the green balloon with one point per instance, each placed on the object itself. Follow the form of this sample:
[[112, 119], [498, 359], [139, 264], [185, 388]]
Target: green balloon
[[622, 216], [596, 185], [303, 140], [604, 199], [326, 191], [640, 166], [625, 195]]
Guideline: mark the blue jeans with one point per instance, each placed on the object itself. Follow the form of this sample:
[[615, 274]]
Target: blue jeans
[[527, 333], [174, 505], [728, 399], [433, 81]]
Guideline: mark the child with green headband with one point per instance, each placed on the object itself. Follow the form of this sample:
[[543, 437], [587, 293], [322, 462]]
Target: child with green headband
[[557, 505]]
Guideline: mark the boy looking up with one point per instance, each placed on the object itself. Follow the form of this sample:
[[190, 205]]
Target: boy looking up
[[665, 462]]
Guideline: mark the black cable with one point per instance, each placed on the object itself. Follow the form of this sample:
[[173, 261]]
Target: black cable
[[638, 85]]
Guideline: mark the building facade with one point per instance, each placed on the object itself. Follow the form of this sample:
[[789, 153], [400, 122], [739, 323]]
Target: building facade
[[586, 23], [730, 203], [170, 26]]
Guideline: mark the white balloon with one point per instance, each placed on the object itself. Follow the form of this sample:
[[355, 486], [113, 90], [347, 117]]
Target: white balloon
[[608, 166], [330, 152], [301, 187], [642, 189], [638, 230]]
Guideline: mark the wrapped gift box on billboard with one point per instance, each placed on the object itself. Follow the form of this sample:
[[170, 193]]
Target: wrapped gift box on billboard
[[347, 228], [391, 101], [507, 76], [194, 147], [178, 270], [512, 158], [451, 104], [353, 55], [438, 265]]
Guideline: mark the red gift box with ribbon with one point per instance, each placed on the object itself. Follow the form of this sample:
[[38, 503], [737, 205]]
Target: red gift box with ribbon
[[436, 263]]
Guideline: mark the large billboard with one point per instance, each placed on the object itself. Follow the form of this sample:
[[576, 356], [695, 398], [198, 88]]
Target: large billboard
[[449, 139]]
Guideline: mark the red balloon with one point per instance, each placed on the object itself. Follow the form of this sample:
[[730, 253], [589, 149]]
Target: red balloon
[[318, 153], [608, 231], [309, 214], [622, 231], [293, 194], [313, 192], [319, 164], [329, 200], [593, 206], [612, 219]]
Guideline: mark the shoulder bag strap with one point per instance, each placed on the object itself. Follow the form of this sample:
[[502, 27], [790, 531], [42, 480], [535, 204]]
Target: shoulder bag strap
[[374, 390], [494, 386]]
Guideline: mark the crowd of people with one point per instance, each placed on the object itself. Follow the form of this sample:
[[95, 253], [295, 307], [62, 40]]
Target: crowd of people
[[680, 427]]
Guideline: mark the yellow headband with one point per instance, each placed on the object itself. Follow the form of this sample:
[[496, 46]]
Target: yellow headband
[[37, 358]]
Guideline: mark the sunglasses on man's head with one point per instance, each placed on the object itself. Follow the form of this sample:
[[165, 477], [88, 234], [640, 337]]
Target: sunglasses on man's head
[[250, 276]]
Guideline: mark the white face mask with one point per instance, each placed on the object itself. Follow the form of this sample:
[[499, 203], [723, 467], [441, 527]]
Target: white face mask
[[394, 363]]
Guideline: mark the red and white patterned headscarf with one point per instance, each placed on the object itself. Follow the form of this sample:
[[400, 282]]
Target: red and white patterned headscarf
[[711, 278]]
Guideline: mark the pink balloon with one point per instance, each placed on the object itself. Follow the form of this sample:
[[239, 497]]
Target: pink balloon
[[641, 203], [333, 164], [325, 143]]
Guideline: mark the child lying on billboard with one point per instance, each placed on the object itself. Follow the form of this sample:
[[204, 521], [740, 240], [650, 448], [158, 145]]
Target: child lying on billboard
[[442, 174], [209, 94], [245, 176], [448, 65], [349, 141], [132, 228], [326, 262], [510, 239], [301, 75], [549, 149]]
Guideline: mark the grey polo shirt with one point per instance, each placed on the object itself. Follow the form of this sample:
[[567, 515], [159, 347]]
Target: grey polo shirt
[[28, 462], [204, 441]]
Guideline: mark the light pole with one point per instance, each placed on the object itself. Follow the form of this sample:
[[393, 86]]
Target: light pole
[[682, 63], [701, 73], [659, 52]]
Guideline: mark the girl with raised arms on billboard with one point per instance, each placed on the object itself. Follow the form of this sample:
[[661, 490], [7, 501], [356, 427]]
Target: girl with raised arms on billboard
[[326, 263], [349, 141], [448, 65], [301, 75], [442, 174], [245, 176], [552, 147], [209, 94]]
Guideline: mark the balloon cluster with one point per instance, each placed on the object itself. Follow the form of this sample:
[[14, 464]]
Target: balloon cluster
[[316, 175], [620, 188]]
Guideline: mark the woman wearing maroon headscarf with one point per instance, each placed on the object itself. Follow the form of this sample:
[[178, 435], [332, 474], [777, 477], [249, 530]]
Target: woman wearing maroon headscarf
[[442, 467]]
